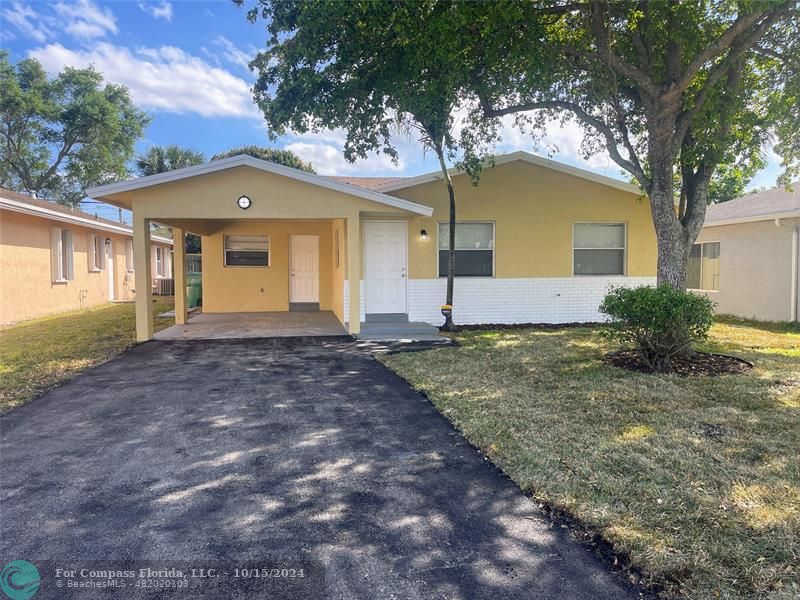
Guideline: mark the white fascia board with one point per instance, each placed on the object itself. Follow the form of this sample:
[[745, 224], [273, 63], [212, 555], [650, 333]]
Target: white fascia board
[[54, 215], [518, 156], [244, 160], [752, 219]]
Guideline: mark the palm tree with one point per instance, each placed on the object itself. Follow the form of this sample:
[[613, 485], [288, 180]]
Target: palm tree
[[160, 159]]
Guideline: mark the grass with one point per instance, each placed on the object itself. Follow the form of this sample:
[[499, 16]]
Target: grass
[[37, 355], [696, 480]]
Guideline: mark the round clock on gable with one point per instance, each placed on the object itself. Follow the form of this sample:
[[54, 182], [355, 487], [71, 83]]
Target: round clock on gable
[[243, 202]]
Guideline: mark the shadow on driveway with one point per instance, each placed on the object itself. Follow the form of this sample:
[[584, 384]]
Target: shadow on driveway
[[290, 449]]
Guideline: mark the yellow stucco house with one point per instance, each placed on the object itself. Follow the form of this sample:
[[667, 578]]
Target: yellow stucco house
[[537, 241], [53, 259]]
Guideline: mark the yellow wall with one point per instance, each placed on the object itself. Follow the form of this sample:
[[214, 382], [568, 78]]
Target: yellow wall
[[254, 289], [534, 209], [26, 287]]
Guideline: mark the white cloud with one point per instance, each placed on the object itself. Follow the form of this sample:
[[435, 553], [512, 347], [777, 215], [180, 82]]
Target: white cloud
[[328, 159], [158, 10], [85, 20], [27, 21], [163, 79], [233, 54]]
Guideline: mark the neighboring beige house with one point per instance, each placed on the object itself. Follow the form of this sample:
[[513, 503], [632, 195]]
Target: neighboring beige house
[[536, 241], [746, 257], [54, 259]]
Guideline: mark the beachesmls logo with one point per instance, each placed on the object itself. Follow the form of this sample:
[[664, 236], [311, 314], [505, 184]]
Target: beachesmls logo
[[19, 580]]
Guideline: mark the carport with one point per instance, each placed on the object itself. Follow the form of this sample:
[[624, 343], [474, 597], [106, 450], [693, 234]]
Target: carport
[[274, 240], [218, 326]]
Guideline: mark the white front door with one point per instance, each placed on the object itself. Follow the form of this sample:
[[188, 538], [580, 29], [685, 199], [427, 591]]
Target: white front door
[[110, 269], [385, 266], [303, 268]]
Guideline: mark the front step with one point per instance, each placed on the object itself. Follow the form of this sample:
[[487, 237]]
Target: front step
[[393, 331]]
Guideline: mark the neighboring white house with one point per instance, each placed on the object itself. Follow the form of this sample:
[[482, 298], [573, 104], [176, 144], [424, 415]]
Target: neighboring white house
[[746, 257]]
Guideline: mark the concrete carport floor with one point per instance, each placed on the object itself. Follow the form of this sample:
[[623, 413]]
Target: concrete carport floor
[[294, 449]]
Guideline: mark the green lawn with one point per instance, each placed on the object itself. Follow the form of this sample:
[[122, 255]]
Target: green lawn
[[697, 480], [36, 355]]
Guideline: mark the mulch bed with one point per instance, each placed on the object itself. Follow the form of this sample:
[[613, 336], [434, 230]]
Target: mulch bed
[[699, 364]]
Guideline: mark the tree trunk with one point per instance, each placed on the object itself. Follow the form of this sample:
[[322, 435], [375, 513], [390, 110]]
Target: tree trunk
[[449, 325], [672, 240]]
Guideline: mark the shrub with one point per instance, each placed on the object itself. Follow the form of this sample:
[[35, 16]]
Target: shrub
[[662, 322]]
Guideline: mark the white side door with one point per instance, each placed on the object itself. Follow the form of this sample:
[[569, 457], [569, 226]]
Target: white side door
[[303, 268], [110, 269], [385, 266]]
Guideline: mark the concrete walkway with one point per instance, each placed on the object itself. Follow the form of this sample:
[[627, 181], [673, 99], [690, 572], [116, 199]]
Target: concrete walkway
[[219, 326], [300, 452]]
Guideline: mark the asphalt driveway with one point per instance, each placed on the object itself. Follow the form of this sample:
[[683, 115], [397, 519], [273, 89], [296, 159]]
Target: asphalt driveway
[[303, 455]]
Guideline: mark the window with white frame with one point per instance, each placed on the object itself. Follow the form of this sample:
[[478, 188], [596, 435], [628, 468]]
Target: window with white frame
[[703, 269], [129, 255], [95, 252], [598, 249], [246, 251], [474, 249], [159, 261], [61, 255]]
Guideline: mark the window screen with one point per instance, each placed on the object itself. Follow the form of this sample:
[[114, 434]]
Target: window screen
[[703, 268], [246, 251], [474, 249], [599, 249]]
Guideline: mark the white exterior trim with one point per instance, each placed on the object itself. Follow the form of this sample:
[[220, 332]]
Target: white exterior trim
[[518, 156], [753, 219], [40, 211], [243, 160]]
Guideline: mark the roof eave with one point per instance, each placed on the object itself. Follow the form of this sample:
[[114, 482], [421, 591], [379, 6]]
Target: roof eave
[[754, 219], [103, 192]]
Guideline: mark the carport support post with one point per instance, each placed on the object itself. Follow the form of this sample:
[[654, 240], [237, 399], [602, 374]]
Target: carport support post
[[144, 278], [179, 267], [354, 273]]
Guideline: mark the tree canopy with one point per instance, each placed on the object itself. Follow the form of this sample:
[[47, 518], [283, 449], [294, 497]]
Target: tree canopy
[[287, 158], [674, 91], [59, 136], [159, 159]]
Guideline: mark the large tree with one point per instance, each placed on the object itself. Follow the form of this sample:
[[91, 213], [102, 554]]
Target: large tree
[[287, 158], [59, 136], [374, 69], [673, 91], [160, 159]]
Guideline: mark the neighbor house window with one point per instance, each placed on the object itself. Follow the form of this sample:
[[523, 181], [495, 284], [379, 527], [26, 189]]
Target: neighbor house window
[[129, 255], [246, 251], [61, 255], [159, 261], [703, 268], [474, 249], [95, 252], [598, 249]]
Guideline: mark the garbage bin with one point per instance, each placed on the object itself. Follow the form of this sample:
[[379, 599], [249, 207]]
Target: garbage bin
[[194, 289]]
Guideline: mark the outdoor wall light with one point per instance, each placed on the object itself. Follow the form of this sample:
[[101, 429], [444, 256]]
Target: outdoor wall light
[[243, 202], [423, 234]]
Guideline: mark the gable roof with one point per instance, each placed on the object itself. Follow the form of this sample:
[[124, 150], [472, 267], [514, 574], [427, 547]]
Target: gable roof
[[775, 203], [243, 160], [371, 183], [398, 183], [22, 203]]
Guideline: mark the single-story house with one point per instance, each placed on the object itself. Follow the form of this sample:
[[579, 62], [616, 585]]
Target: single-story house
[[746, 256], [54, 259], [537, 241]]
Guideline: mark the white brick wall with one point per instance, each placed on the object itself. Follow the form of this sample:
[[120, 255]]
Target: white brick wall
[[517, 300]]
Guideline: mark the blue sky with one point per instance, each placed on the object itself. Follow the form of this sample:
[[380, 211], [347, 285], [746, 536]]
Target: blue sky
[[185, 63]]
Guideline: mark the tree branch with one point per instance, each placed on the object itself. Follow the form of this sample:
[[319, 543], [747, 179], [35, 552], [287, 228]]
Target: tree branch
[[632, 166]]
